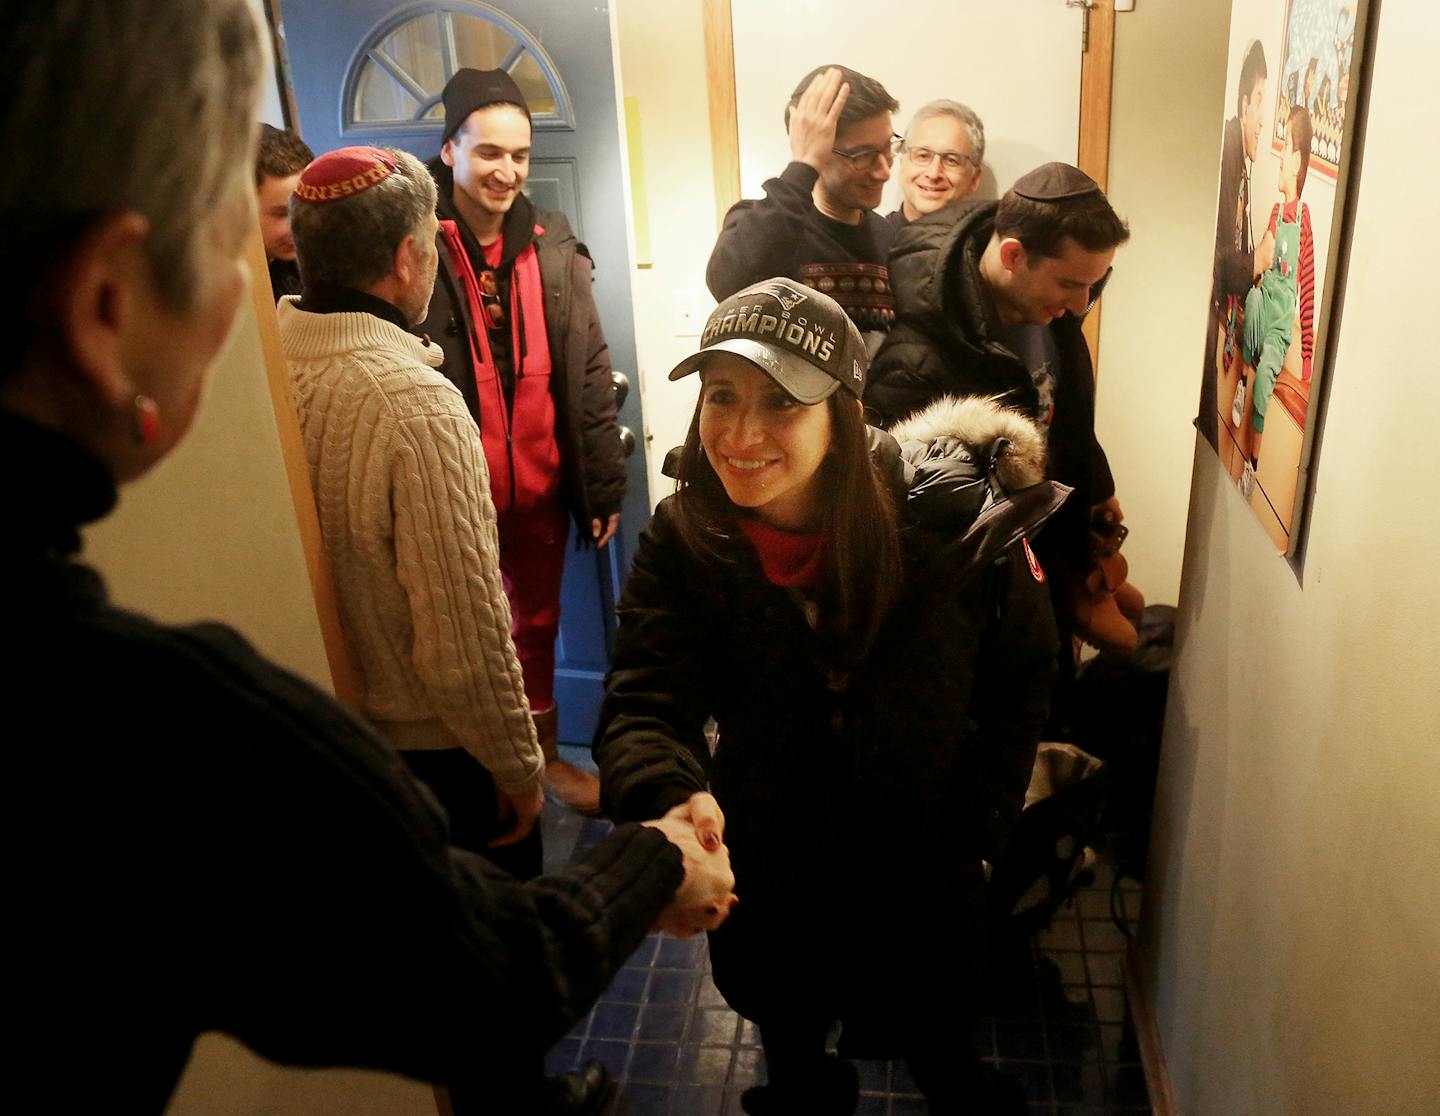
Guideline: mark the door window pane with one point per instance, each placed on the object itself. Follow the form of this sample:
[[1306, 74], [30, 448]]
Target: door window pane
[[480, 43], [402, 70], [379, 98], [535, 85], [415, 48]]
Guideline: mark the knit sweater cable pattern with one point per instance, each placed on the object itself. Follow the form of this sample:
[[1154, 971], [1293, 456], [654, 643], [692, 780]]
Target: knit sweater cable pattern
[[403, 497]]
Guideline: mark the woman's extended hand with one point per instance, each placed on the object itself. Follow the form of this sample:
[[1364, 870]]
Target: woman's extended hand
[[707, 894], [703, 812]]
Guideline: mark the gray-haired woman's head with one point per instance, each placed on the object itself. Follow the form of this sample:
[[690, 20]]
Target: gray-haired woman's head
[[145, 106]]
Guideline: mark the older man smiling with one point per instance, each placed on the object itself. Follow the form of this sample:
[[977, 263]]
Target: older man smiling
[[940, 159]]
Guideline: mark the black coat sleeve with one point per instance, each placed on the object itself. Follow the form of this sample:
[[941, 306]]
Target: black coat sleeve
[[1075, 456], [295, 884], [650, 743], [599, 429], [759, 238]]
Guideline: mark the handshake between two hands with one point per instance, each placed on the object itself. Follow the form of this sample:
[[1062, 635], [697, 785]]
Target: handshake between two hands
[[706, 897]]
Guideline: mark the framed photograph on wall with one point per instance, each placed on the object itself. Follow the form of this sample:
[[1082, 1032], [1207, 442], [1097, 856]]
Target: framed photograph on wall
[[1286, 163]]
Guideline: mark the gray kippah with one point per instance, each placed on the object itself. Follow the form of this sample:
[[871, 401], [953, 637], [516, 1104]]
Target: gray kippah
[[1055, 182]]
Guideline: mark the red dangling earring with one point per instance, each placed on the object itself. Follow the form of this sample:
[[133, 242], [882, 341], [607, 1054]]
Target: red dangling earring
[[146, 419]]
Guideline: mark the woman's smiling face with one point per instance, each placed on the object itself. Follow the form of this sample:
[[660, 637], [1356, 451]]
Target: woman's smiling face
[[766, 448]]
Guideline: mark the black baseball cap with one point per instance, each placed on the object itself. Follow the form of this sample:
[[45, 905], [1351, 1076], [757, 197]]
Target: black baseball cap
[[796, 335]]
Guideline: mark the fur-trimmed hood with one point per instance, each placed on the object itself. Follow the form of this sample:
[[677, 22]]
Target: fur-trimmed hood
[[972, 471], [1004, 439]]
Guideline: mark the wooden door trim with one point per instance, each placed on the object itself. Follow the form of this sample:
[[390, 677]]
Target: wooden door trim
[[724, 120], [1158, 1085], [281, 61], [343, 673]]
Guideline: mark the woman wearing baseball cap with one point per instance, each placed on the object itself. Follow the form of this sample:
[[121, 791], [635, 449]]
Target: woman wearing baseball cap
[[862, 619]]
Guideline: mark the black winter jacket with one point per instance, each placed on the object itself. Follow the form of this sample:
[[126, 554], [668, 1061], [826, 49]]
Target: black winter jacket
[[592, 461], [941, 346], [204, 841], [875, 795]]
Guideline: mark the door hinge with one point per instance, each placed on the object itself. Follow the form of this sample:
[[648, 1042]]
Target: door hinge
[[1085, 5]]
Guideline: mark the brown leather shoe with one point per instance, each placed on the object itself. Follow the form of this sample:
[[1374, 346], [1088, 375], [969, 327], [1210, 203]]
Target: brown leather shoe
[[567, 784]]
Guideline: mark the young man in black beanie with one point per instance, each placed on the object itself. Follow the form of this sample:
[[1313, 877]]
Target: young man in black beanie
[[514, 313]]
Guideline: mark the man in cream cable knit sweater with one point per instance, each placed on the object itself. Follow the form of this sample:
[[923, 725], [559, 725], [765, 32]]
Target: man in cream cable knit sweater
[[405, 510]]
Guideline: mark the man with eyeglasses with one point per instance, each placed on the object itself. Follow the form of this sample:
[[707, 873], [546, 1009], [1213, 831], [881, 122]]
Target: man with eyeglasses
[[939, 159], [991, 297], [817, 221]]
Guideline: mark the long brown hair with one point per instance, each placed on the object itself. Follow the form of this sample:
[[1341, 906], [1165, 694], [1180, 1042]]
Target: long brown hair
[[862, 573]]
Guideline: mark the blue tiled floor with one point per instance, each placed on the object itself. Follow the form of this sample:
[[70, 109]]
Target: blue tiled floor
[[1061, 1026]]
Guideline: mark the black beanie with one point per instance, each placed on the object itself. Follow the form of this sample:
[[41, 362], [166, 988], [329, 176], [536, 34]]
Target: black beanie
[[472, 89]]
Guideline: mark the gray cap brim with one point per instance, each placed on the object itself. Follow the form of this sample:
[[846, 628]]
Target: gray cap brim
[[798, 378]]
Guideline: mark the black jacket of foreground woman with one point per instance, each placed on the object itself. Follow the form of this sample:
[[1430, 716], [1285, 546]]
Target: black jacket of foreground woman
[[202, 841], [856, 818]]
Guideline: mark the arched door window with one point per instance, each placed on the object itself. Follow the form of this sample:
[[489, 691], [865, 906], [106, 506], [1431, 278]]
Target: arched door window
[[397, 75]]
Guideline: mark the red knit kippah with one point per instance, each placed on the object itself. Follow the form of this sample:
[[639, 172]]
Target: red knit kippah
[[344, 173]]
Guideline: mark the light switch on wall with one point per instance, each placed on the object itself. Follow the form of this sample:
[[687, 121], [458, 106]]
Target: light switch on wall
[[1124, 5]]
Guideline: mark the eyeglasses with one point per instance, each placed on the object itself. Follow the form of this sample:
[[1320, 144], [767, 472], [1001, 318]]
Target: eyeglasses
[[950, 160], [867, 157]]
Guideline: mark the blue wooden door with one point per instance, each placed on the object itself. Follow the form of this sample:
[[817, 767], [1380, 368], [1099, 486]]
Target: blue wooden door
[[371, 71]]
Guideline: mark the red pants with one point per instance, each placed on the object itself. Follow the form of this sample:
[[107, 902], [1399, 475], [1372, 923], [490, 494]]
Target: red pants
[[532, 558]]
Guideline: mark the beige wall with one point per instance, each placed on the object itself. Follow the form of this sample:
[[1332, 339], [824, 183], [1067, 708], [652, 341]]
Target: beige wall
[[1028, 121], [662, 65], [1164, 160], [1293, 926], [226, 1079]]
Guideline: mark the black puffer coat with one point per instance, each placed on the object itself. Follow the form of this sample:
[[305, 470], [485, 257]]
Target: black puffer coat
[[863, 813], [941, 346], [592, 461]]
